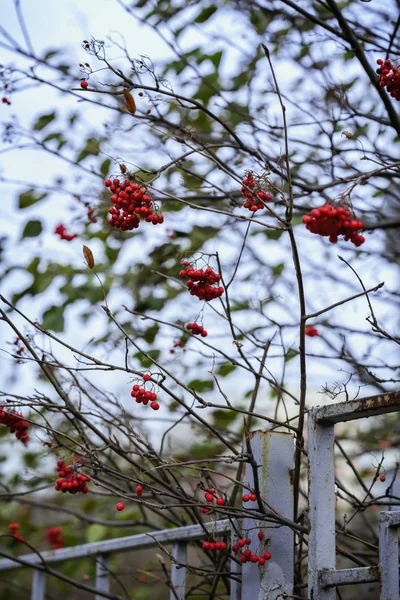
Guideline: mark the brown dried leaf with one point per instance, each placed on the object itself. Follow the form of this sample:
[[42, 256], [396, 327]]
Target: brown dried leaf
[[348, 135], [88, 254], [123, 168], [130, 102]]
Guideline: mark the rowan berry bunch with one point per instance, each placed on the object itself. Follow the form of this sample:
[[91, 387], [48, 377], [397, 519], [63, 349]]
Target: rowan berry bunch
[[64, 235], [132, 202], [201, 282], [389, 77], [143, 396], [211, 497], [196, 329], [333, 222], [311, 331], [254, 199], [249, 497], [54, 538], [247, 555], [213, 546], [13, 527], [15, 422], [70, 481]]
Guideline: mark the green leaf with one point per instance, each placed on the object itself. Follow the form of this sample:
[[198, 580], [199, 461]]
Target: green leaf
[[32, 229], [146, 362], [43, 121], [50, 54], [29, 197], [201, 386], [205, 14], [105, 167], [91, 148], [225, 369], [223, 418], [290, 354], [277, 270], [95, 533], [53, 318]]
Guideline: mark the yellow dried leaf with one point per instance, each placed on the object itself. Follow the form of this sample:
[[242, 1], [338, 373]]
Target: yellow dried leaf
[[88, 254], [130, 102]]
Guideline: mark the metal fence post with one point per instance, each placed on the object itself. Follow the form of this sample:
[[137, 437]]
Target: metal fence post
[[321, 475], [236, 570], [388, 556], [178, 574], [102, 574], [38, 585], [273, 454]]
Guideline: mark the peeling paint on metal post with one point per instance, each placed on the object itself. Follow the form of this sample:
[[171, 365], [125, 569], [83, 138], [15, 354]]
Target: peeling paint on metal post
[[321, 473], [389, 522], [273, 453]]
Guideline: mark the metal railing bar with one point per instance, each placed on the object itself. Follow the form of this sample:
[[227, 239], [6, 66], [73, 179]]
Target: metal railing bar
[[358, 409], [102, 574], [116, 545], [332, 578], [38, 585], [178, 574]]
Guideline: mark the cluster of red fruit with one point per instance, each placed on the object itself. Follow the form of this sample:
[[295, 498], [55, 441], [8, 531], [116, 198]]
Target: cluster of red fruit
[[247, 555], [6, 101], [311, 331], [332, 222], [15, 422], [69, 481], [64, 235], [201, 282], [196, 329], [249, 497], [143, 396], [213, 546], [210, 497], [54, 538], [254, 199], [389, 77], [131, 203], [13, 527], [177, 344]]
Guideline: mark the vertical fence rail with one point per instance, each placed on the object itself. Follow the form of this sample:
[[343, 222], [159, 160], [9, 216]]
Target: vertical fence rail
[[389, 522], [273, 456], [236, 571], [102, 574], [321, 475], [38, 585], [178, 574]]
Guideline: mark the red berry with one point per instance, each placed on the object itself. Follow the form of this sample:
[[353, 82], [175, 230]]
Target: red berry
[[220, 501], [261, 561], [260, 535], [84, 85], [241, 543], [253, 497], [267, 555], [154, 405], [139, 490], [206, 546], [120, 506], [245, 497], [146, 377], [382, 478], [247, 541], [254, 558]]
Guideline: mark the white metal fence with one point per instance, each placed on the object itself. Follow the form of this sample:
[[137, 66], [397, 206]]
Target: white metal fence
[[270, 470]]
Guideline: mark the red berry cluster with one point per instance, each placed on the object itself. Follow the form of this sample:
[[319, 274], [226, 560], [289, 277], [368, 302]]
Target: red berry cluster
[[177, 344], [15, 422], [210, 497], [6, 101], [131, 203], [143, 396], [201, 282], [13, 527], [247, 555], [256, 198], [249, 497], [311, 331], [196, 329], [62, 232], [69, 481], [20, 349], [389, 77], [212, 546], [332, 222], [54, 538]]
